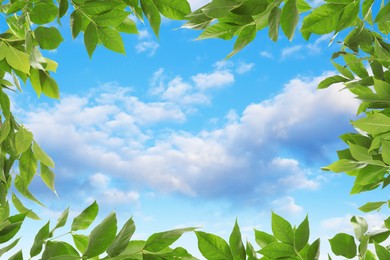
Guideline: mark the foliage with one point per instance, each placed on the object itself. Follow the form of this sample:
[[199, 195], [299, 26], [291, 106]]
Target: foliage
[[363, 64]]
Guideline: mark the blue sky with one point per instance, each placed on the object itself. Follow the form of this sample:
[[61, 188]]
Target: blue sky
[[174, 135]]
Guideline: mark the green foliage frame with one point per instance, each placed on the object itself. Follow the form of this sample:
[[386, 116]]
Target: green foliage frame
[[366, 24]]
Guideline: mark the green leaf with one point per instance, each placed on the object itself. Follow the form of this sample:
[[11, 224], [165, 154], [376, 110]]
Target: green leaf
[[35, 81], [313, 253], [247, 35], [41, 156], [49, 85], [63, 8], [356, 65], [111, 39], [54, 249], [323, 19], [43, 13], [212, 246], [387, 222], [127, 26], [371, 174], [277, 250], [5, 105], [151, 12], [360, 227], [359, 153], [18, 60], [17, 256], [289, 18], [122, 239], [40, 238], [101, 236], [111, 18], [348, 16], [367, 10], [302, 235], [282, 230], [374, 124], [173, 9], [9, 247], [80, 241], [377, 69], [330, 81], [263, 238], [379, 236], [273, 23], [62, 220], [23, 140], [382, 89], [47, 176], [85, 219], [12, 228], [163, 240], [219, 30], [236, 246], [383, 15], [343, 245], [250, 251], [22, 209], [371, 206], [91, 38], [219, 8], [49, 38], [99, 7], [382, 253], [343, 70], [76, 23], [27, 167]]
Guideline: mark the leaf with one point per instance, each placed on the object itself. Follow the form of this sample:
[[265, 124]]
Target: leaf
[[43, 13], [313, 253], [359, 153], [371, 206], [382, 89], [76, 23], [236, 246], [151, 12], [47, 176], [111, 18], [122, 239], [9, 247], [289, 18], [40, 238], [99, 7], [277, 250], [101, 237], [348, 16], [371, 174], [111, 39], [373, 124], [360, 227], [127, 26], [54, 249], [246, 36], [383, 15], [330, 81], [355, 65], [85, 219], [18, 60], [250, 251], [219, 30], [27, 167], [219, 8], [91, 38], [263, 238], [302, 235], [23, 140], [17, 256], [173, 9], [80, 241], [49, 38], [323, 19], [343, 245], [22, 209], [282, 230], [159, 241], [49, 85], [12, 228], [5, 104], [35, 81], [377, 69], [273, 23], [62, 220], [343, 70], [382, 253], [41, 156], [379, 236], [63, 8], [212, 246], [366, 10]]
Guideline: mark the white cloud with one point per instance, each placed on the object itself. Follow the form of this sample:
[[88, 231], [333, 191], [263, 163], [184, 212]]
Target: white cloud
[[146, 43], [216, 79], [289, 51], [241, 160], [244, 67], [315, 47], [286, 206], [266, 54]]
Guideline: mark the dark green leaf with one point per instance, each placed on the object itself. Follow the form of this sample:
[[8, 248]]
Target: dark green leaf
[[173, 9], [12, 228], [49, 38], [348, 16], [289, 18], [323, 19], [101, 236], [122, 239], [302, 235], [247, 35], [43, 13], [27, 167], [99, 7], [382, 253], [219, 8], [330, 81], [91, 38], [111, 18], [343, 245], [63, 8], [273, 23], [235, 241], [75, 23], [379, 236], [383, 15], [313, 253], [151, 12]]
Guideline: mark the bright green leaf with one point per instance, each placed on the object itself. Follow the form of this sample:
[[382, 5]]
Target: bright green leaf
[[246, 36], [122, 239], [263, 238], [289, 18], [173, 9], [55, 249], [151, 12], [47, 176], [282, 229], [330, 81], [371, 206], [49, 38], [213, 247], [91, 38], [18, 60], [85, 219], [40, 238], [313, 253], [162, 240], [302, 234], [235, 241], [277, 250], [43, 13], [41, 156], [360, 226], [75, 23], [22, 209], [111, 39], [23, 140], [343, 245]]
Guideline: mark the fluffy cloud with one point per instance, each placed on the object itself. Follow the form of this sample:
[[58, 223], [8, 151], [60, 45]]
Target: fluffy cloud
[[266, 150], [146, 43], [286, 206]]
